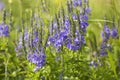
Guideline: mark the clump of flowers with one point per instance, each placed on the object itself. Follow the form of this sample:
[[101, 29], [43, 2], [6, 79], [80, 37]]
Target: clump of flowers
[[70, 30], [30, 43], [4, 30], [4, 27], [106, 34], [38, 58], [66, 30]]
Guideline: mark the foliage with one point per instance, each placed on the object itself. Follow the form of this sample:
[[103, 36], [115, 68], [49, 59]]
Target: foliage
[[58, 60]]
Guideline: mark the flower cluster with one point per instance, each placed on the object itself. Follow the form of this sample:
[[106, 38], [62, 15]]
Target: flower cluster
[[69, 29], [30, 44], [4, 30], [4, 27], [95, 63], [106, 34], [37, 58], [22, 42]]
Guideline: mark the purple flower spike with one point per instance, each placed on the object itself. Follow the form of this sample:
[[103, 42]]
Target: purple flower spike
[[4, 30], [103, 52], [75, 3], [107, 32]]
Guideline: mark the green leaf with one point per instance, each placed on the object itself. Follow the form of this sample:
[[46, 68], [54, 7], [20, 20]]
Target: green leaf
[[112, 63]]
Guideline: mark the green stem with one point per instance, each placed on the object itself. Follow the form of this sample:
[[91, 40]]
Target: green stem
[[6, 62], [62, 65], [99, 20], [73, 64], [6, 73]]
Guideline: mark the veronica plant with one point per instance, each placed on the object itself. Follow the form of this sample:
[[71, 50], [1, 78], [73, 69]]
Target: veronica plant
[[106, 35], [68, 30], [4, 27], [31, 44], [71, 31]]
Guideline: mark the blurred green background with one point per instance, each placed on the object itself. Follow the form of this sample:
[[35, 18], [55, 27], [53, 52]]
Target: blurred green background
[[100, 8]]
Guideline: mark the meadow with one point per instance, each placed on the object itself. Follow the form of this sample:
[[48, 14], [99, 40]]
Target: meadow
[[59, 40]]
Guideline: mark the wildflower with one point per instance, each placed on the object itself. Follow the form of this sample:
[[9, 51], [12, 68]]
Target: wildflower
[[103, 52], [75, 3], [93, 63], [1, 30], [73, 45], [83, 40], [37, 59], [35, 41], [58, 43], [83, 26], [105, 36], [103, 45], [87, 10], [80, 2], [106, 33], [85, 17], [114, 33], [23, 42], [77, 42], [61, 39], [4, 30], [67, 25], [65, 35], [74, 16], [52, 39]]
